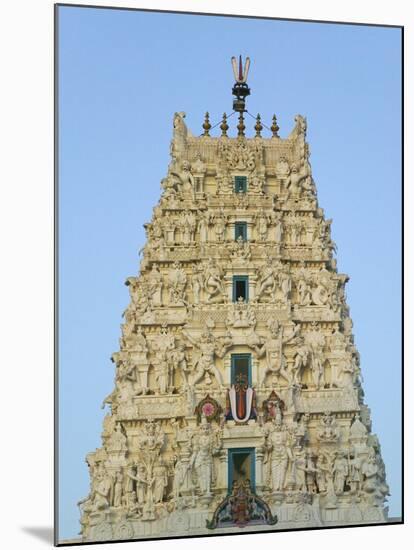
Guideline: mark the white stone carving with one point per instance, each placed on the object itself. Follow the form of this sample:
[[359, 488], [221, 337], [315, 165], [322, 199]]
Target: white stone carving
[[158, 472], [205, 443], [213, 282]]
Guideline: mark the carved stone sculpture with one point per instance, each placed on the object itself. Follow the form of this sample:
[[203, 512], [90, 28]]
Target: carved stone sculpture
[[279, 455], [177, 281], [205, 365], [213, 282], [205, 445], [237, 399]]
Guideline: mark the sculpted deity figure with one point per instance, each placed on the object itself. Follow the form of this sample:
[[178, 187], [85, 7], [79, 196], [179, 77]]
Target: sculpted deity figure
[[299, 430], [340, 471], [164, 367], [203, 223], [183, 175], [277, 413], [199, 169], [303, 289], [326, 463], [348, 374], [316, 342], [139, 342], [161, 480], [137, 364], [256, 184], [279, 454], [129, 501], [206, 444], [180, 133], [292, 179], [224, 343], [220, 222], [152, 440], [141, 483], [299, 468], [197, 283], [182, 476], [240, 249], [310, 473], [125, 373], [178, 360], [162, 374], [272, 349], [213, 281], [354, 478], [117, 441], [102, 490], [168, 227], [301, 360], [144, 489], [321, 473], [370, 472], [91, 503], [278, 223], [321, 291], [294, 232], [169, 187], [285, 283], [262, 222], [117, 490], [185, 229], [187, 224], [328, 430], [299, 178], [205, 365], [129, 484], [241, 315], [154, 284], [191, 223], [268, 277], [177, 280]]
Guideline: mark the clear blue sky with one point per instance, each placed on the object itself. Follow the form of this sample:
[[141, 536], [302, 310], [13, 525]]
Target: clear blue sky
[[122, 75]]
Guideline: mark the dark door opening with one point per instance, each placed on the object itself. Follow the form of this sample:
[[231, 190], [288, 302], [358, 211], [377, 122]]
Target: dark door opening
[[240, 184], [241, 368], [240, 230], [240, 288], [242, 466]]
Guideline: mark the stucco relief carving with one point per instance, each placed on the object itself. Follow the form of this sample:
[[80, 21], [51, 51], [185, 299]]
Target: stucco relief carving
[[163, 468]]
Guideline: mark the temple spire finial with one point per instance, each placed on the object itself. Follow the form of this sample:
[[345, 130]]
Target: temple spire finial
[[240, 88], [207, 125], [258, 126], [224, 126], [274, 127]]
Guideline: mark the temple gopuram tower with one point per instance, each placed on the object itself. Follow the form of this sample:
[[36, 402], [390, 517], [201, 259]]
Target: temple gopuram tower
[[237, 399]]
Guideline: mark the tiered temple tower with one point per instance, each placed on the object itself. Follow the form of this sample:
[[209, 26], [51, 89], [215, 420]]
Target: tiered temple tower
[[237, 398]]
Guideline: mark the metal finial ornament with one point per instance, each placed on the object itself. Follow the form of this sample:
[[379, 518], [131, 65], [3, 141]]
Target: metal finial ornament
[[224, 126], [240, 88], [258, 126], [274, 127], [206, 125], [241, 126]]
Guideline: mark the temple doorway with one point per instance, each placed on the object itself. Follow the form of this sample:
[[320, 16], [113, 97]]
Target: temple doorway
[[241, 464]]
